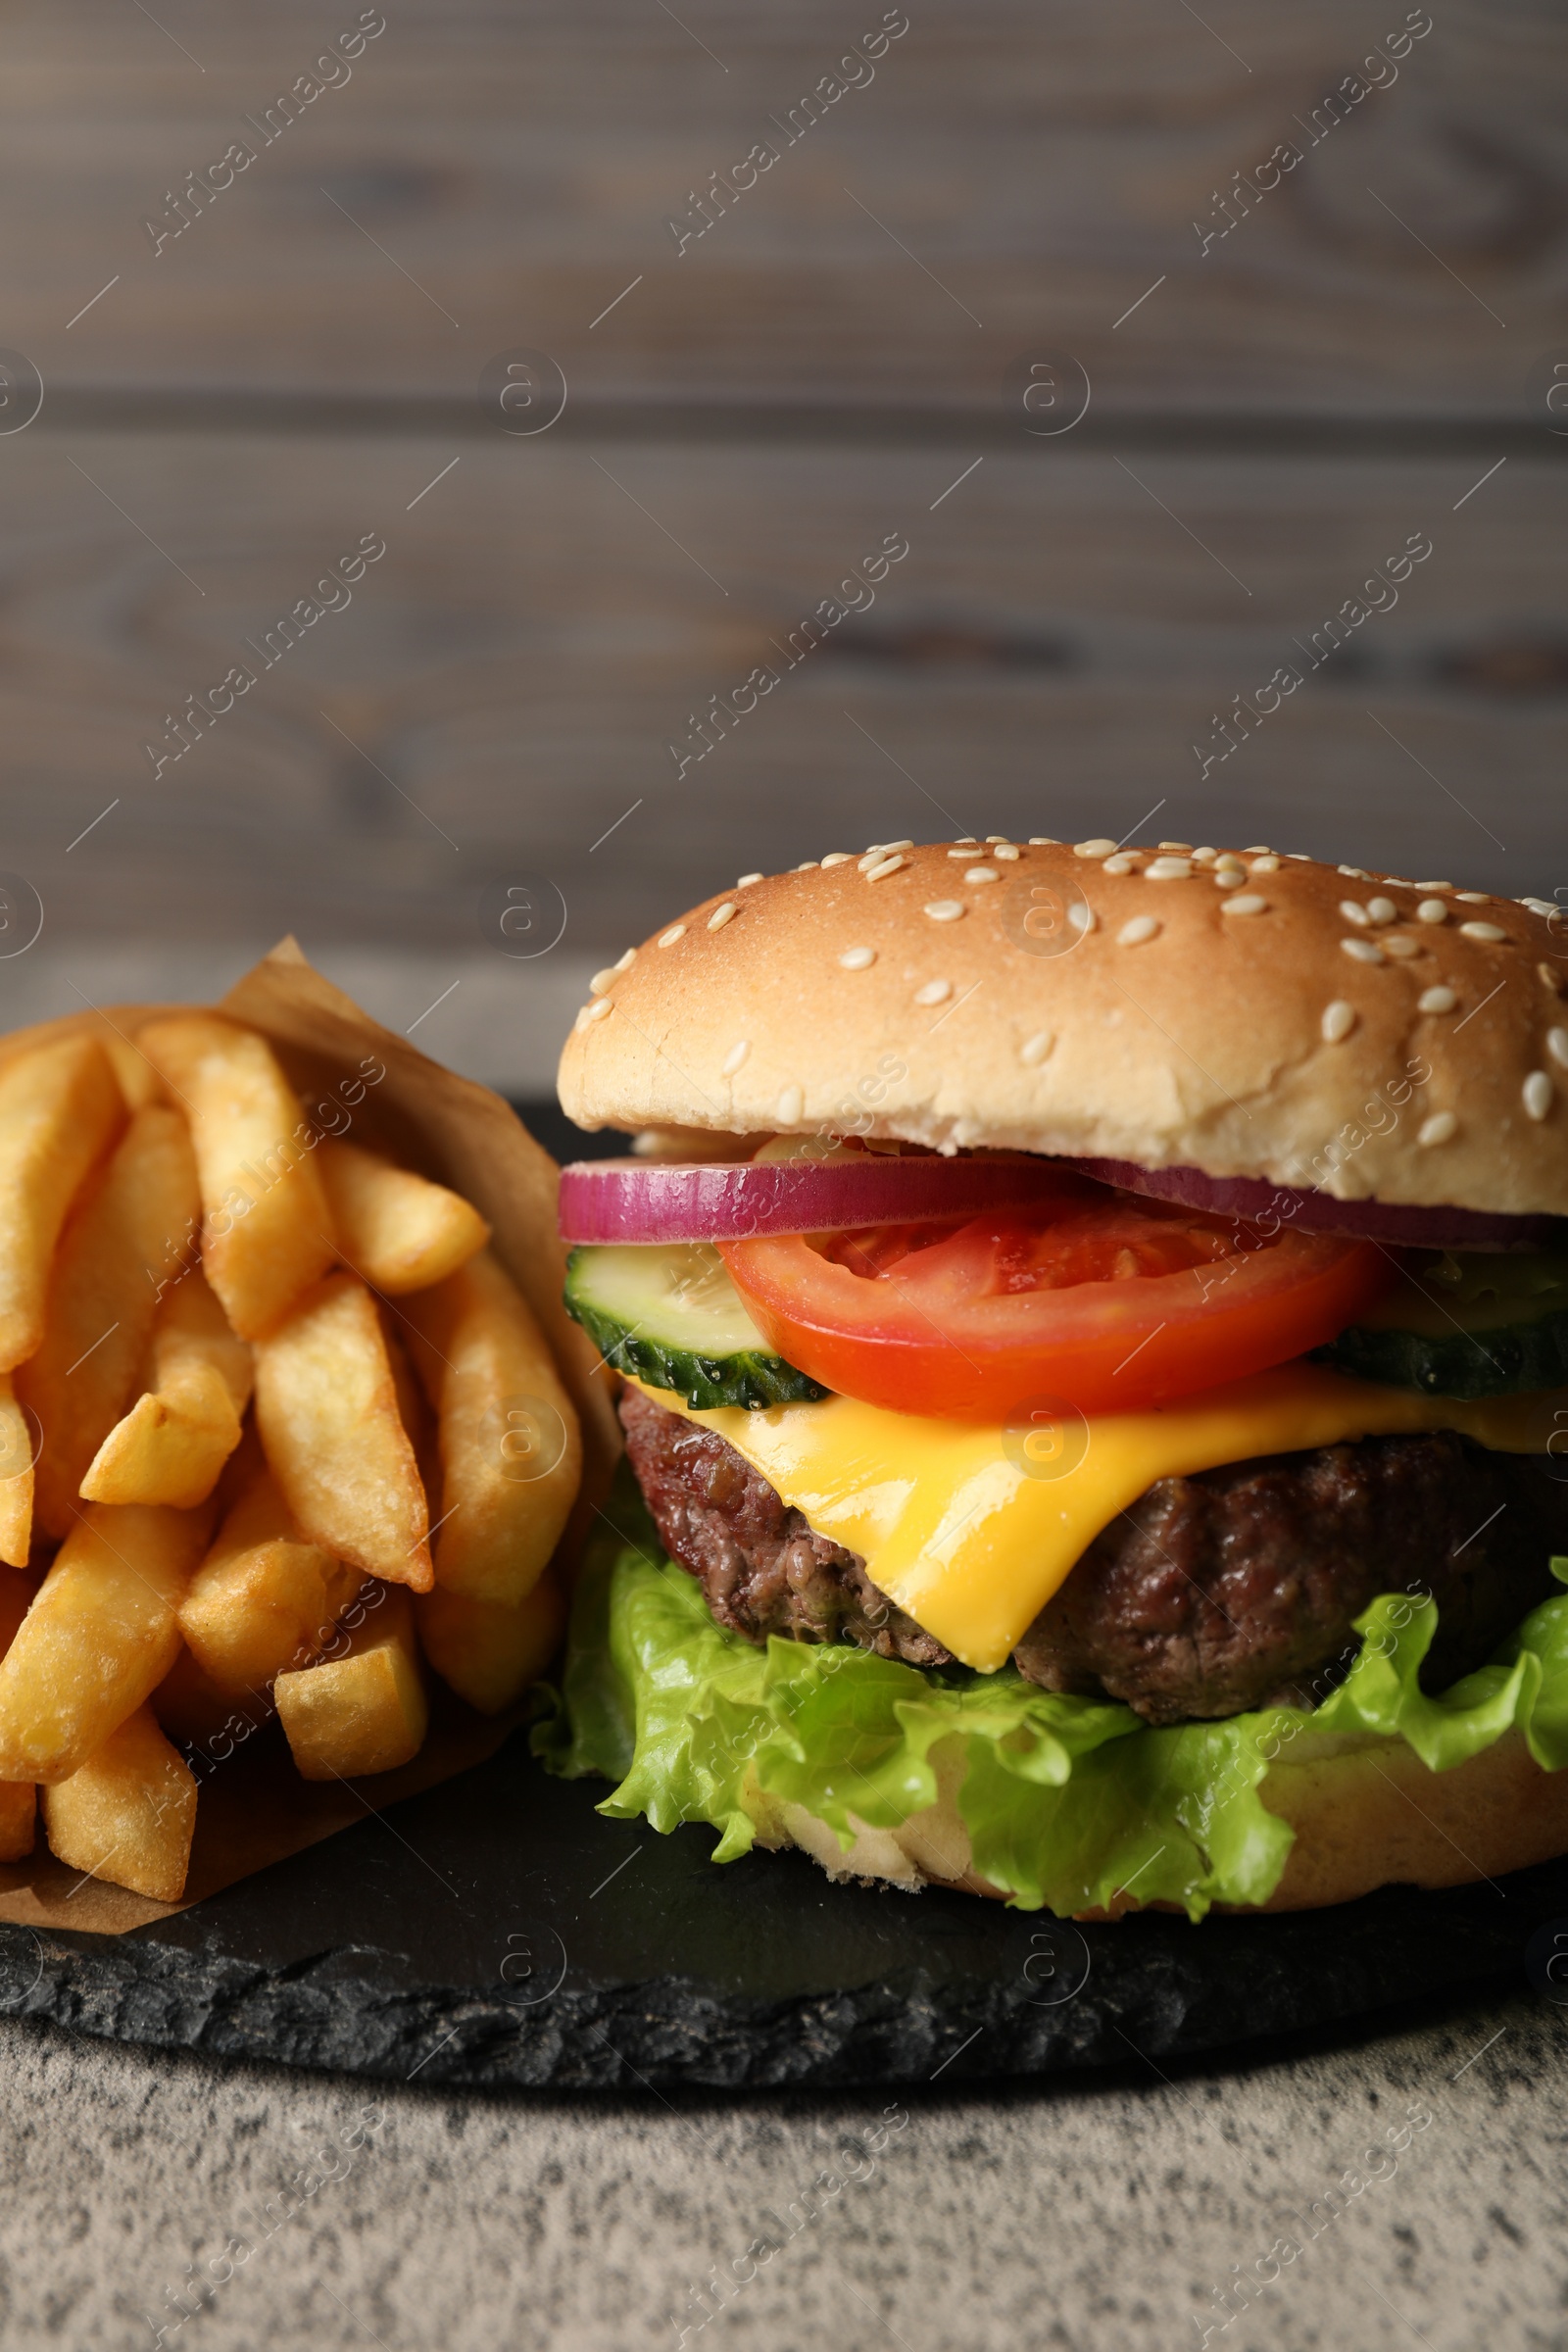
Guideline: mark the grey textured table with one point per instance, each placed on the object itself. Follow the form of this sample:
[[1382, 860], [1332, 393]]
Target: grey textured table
[[1070, 2219]]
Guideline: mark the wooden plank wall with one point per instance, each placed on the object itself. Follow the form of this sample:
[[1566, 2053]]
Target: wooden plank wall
[[1293, 369]]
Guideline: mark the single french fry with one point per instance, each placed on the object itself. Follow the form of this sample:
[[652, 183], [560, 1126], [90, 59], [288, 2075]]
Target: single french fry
[[16, 1476], [366, 1712], [263, 1600], [267, 1233], [398, 1231], [486, 1651], [99, 1637], [126, 1229], [327, 1411], [60, 1111], [511, 1448], [173, 1443], [127, 1814]]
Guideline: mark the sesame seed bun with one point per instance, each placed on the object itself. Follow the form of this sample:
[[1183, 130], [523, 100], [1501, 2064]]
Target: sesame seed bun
[[1246, 1013], [1371, 1816]]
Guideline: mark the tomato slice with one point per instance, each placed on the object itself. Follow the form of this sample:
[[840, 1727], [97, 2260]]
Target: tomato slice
[[1102, 1300]]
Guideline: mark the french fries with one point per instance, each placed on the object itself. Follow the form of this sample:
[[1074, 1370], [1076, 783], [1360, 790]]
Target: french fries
[[60, 1111], [135, 1223], [16, 1476], [127, 1813], [327, 1412], [264, 1599], [486, 1651], [362, 1713], [510, 1448], [173, 1443], [212, 1316], [398, 1231], [266, 1234], [100, 1636]]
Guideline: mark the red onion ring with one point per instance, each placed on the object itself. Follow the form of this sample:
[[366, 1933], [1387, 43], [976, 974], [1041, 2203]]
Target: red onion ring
[[734, 1200], [1390, 1221]]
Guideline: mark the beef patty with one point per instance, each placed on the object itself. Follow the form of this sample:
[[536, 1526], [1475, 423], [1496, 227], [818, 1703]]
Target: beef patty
[[1231, 1588]]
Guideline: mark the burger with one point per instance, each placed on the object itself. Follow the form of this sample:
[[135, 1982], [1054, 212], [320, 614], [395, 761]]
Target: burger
[[1092, 1325]]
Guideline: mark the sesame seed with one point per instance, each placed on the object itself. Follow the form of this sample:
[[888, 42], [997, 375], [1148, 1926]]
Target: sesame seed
[[1440, 1128], [1339, 1020], [1382, 910], [1432, 886], [667, 939], [1267, 865], [857, 959], [1363, 950], [1537, 1094], [1124, 863], [721, 915], [603, 982], [1134, 933], [1082, 918], [836, 858], [993, 838], [1007, 853], [1432, 911], [597, 1012], [964, 850], [1204, 857], [1435, 999], [1249, 903], [736, 1055], [944, 911], [1492, 931], [896, 845], [745, 881], [1474, 898], [807, 865], [790, 1106], [1044, 840], [1551, 976], [1098, 848], [1182, 848], [1357, 873], [1298, 857], [1260, 849], [935, 991], [1169, 869], [1558, 1045], [982, 874], [624, 962], [1034, 1048], [1398, 942], [1548, 907], [889, 865], [1354, 913]]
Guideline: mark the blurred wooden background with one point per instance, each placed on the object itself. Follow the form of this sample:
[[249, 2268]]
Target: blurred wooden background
[[841, 356]]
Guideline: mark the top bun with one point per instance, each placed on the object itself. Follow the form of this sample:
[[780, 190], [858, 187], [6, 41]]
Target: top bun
[[1242, 1013]]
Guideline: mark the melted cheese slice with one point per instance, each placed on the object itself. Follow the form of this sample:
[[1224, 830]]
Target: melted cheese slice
[[972, 1527]]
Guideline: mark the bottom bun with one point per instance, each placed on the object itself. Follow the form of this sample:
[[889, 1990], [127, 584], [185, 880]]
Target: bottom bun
[[1372, 1815]]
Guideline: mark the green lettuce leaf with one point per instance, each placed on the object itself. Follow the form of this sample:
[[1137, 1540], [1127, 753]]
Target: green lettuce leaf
[[1068, 1801]]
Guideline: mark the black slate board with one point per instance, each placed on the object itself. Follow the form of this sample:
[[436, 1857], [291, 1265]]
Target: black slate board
[[495, 1932]]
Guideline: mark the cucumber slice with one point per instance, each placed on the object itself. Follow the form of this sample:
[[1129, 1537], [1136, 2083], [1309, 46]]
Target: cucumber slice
[[670, 1315], [1468, 1325]]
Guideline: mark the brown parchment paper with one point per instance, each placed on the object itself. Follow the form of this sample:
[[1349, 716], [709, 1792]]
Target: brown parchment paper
[[252, 1808]]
